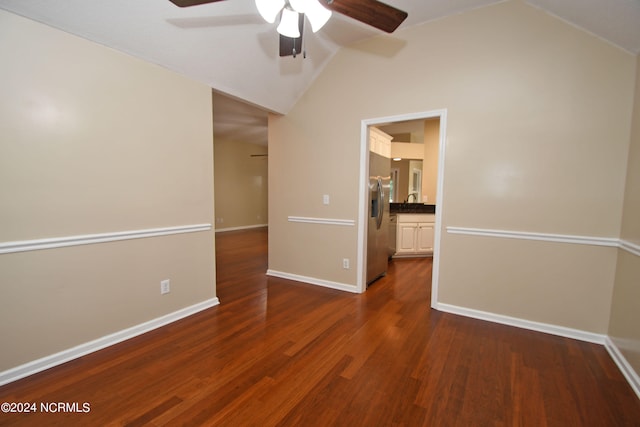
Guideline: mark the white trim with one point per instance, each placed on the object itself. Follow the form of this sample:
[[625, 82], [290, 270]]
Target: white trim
[[312, 281], [243, 227], [613, 347], [64, 356], [364, 179], [522, 323], [435, 272], [612, 242], [632, 248], [86, 239], [525, 235], [361, 256], [326, 221]]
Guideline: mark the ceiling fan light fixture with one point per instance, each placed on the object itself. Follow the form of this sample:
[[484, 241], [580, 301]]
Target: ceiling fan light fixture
[[317, 14], [269, 9], [289, 24], [299, 6]]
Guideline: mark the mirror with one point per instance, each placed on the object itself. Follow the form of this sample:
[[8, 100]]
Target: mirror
[[414, 165]]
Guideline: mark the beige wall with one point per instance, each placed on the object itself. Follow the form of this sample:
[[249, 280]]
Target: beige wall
[[537, 141], [241, 183], [427, 149], [300, 173], [625, 310], [403, 179], [94, 141], [407, 150]]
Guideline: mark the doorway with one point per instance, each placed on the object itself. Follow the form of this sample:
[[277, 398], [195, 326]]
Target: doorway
[[415, 184], [394, 184], [364, 174]]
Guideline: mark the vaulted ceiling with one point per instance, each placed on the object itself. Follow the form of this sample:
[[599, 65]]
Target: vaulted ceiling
[[228, 46]]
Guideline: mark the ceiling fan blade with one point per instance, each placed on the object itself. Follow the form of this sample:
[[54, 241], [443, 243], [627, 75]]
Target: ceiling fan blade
[[187, 3], [372, 12], [288, 44]]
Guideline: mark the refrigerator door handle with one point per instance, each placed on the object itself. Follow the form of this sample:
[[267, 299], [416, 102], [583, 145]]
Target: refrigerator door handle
[[380, 203]]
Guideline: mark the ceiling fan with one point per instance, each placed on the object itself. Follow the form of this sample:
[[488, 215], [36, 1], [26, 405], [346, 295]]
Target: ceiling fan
[[318, 12]]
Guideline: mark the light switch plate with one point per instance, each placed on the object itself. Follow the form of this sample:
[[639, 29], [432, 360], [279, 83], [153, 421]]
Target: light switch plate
[[165, 286]]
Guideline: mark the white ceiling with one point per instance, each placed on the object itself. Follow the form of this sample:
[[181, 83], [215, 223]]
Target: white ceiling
[[228, 46], [235, 120]]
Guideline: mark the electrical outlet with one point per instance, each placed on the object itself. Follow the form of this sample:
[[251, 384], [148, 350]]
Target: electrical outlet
[[325, 199], [165, 287], [345, 263]]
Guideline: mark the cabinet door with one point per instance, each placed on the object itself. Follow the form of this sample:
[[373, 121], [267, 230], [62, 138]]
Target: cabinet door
[[406, 237], [425, 237]]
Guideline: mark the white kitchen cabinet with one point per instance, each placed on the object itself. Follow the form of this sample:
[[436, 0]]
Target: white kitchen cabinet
[[406, 237], [415, 235], [379, 142], [425, 237]]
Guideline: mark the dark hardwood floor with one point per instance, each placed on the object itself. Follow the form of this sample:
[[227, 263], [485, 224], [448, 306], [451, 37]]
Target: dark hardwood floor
[[277, 352]]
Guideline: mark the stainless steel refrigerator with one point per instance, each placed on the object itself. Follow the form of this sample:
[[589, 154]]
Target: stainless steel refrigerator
[[378, 217]]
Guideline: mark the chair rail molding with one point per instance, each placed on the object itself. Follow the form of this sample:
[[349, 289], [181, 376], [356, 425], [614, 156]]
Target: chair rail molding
[[546, 237], [86, 239], [630, 247], [326, 221]]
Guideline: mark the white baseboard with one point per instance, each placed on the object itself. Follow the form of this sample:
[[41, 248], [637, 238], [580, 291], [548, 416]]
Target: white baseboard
[[56, 359], [243, 227], [525, 324], [611, 344], [313, 281]]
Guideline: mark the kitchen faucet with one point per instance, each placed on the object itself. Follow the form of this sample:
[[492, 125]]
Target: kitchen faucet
[[415, 197]]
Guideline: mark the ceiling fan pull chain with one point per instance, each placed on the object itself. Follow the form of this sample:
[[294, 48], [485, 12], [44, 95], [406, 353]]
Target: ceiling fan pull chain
[[304, 47]]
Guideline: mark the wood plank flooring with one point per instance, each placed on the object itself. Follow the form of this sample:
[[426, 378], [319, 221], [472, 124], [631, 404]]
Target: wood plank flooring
[[281, 353]]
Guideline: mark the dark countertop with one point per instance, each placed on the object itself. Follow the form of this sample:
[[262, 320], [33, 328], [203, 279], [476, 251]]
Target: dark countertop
[[396, 208]]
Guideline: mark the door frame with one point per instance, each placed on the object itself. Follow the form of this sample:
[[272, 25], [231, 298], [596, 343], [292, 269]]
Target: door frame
[[364, 179]]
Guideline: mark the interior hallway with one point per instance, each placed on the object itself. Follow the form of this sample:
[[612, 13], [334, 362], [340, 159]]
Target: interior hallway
[[276, 352]]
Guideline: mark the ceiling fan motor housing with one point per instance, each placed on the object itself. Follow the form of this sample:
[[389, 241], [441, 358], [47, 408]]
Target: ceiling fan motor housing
[[371, 12]]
